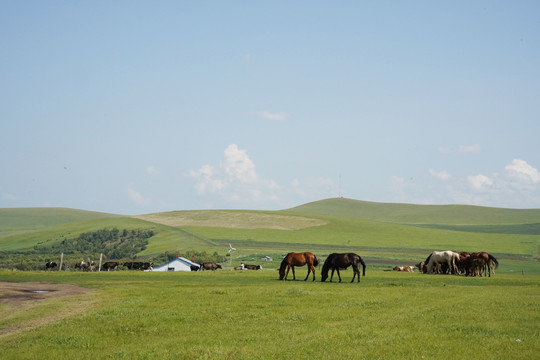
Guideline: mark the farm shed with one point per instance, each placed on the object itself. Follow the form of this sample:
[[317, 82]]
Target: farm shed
[[178, 264]]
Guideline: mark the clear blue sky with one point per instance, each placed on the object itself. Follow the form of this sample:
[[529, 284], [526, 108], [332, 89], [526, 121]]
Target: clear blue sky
[[134, 107]]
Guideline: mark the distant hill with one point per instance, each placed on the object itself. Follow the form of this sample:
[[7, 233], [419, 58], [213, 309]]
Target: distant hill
[[419, 214], [36, 218], [401, 233]]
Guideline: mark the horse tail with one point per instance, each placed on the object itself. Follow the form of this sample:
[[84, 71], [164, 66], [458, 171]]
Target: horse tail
[[282, 267], [363, 265], [315, 261], [492, 258]]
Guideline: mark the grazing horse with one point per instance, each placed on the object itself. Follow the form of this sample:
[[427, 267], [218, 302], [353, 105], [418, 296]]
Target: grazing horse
[[441, 257], [298, 259], [482, 262], [336, 261]]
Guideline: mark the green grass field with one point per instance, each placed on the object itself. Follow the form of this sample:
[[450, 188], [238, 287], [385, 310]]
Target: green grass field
[[252, 315]]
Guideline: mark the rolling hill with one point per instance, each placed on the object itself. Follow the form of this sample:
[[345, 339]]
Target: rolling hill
[[381, 232]]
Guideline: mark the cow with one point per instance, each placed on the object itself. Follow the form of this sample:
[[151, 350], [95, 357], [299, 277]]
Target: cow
[[253, 267], [147, 266], [50, 265], [210, 266], [133, 265], [111, 265], [85, 266]]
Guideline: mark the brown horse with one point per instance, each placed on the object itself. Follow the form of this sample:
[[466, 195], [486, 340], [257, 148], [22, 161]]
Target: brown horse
[[298, 259], [342, 261]]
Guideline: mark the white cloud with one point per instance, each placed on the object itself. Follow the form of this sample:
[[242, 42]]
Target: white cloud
[[442, 175], [136, 197], [521, 171], [480, 181], [238, 165], [206, 181], [277, 116], [236, 181]]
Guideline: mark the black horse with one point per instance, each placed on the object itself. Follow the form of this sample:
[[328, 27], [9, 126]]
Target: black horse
[[336, 261]]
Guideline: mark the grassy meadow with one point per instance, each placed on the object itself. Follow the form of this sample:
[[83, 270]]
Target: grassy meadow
[[252, 315]]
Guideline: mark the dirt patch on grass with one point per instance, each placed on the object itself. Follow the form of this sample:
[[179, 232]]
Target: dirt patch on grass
[[17, 297]]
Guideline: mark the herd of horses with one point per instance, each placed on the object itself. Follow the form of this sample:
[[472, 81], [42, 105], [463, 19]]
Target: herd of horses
[[453, 262], [438, 262]]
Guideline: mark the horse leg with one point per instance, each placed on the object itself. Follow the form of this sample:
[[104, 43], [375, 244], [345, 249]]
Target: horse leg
[[308, 270], [312, 268], [331, 277], [339, 276], [293, 274], [356, 272], [287, 274]]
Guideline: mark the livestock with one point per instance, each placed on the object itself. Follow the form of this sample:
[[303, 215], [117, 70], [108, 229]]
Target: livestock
[[210, 266], [147, 266], [194, 268], [293, 259], [50, 265], [336, 261], [253, 267], [111, 265], [138, 265], [404, 268], [85, 266], [439, 257], [133, 265], [483, 262]]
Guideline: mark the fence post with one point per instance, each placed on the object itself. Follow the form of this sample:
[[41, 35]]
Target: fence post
[[100, 259], [61, 259]]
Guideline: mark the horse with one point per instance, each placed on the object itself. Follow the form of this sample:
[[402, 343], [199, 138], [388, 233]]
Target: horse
[[336, 261], [483, 262], [439, 257], [298, 259]]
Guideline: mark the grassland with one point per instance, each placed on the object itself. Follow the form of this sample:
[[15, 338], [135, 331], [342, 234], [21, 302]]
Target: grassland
[[252, 315]]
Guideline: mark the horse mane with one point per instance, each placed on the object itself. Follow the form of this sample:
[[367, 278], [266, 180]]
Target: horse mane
[[284, 263]]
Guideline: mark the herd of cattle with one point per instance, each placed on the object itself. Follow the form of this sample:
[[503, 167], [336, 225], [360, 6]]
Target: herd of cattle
[[109, 265]]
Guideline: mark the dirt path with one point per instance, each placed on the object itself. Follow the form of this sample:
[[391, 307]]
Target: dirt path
[[18, 296]]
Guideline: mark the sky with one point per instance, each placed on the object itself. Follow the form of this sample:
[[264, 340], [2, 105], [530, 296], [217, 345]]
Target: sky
[[135, 107]]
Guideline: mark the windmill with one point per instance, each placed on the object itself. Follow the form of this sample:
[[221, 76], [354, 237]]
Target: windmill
[[231, 249]]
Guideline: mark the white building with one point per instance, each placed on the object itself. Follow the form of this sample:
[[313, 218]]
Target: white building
[[178, 264]]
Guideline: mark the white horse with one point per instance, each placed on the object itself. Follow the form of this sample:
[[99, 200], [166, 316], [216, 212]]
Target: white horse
[[439, 257]]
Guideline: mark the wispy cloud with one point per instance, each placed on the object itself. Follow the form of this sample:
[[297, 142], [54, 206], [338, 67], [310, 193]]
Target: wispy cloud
[[442, 175], [152, 171], [461, 149], [136, 197], [274, 116]]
